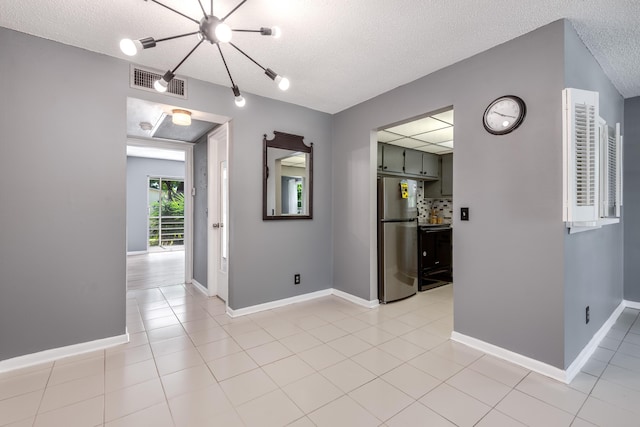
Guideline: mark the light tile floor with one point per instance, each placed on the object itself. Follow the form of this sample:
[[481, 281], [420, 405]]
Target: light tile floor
[[326, 362]]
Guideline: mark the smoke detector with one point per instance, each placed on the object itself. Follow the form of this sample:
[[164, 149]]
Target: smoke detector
[[146, 126]]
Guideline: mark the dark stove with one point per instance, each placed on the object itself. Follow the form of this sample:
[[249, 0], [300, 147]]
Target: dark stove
[[434, 256]]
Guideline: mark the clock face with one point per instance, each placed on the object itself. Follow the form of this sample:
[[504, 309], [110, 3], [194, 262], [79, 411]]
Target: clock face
[[504, 115]]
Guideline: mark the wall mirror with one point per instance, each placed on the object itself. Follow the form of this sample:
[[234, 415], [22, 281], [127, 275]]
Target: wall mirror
[[287, 191]]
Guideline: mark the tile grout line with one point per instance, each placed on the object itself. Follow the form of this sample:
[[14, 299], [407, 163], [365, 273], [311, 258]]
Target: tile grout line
[[351, 315], [44, 390], [164, 391]]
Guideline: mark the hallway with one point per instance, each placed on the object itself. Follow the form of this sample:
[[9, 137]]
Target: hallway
[[155, 269]]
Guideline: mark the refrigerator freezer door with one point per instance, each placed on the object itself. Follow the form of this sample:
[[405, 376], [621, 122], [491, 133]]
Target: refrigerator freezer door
[[399, 261], [393, 205]]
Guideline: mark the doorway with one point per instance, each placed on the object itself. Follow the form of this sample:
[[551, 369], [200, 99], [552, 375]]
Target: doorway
[[165, 221], [420, 151], [158, 214], [150, 126]]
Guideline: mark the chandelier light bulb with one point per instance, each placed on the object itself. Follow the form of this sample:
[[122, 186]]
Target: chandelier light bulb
[[223, 33], [283, 82], [129, 47], [240, 101], [276, 32], [161, 85]]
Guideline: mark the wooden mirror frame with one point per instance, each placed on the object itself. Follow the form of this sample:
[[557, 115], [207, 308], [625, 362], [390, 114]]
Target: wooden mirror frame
[[291, 142]]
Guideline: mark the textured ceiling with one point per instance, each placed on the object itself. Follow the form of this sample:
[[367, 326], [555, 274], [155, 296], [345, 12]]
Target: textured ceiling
[[336, 53]]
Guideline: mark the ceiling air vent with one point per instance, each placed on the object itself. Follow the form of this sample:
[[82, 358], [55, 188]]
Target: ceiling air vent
[[143, 78]]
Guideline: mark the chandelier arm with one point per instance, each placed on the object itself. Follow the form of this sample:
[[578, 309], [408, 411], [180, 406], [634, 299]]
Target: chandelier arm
[[176, 37], [225, 65], [234, 9], [211, 6], [175, 11], [202, 7], [252, 60], [188, 55], [265, 31]]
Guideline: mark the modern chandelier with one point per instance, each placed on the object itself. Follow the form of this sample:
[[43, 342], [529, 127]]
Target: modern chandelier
[[215, 31]]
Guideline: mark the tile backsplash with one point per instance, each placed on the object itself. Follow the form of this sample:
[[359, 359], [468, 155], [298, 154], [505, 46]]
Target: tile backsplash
[[444, 207]]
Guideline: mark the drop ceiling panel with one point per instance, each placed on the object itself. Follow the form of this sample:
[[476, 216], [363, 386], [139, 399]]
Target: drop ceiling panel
[[447, 117], [436, 136], [416, 127], [408, 143], [295, 161], [384, 136], [438, 139], [435, 149]]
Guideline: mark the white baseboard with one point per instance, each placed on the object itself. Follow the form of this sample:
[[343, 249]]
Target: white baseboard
[[278, 303], [588, 350], [199, 287], [300, 298], [510, 356], [61, 352], [632, 304], [136, 253], [565, 376], [356, 300]]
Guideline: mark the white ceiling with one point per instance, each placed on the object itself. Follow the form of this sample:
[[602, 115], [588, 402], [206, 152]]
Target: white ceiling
[[155, 153], [140, 111], [432, 134], [336, 53]]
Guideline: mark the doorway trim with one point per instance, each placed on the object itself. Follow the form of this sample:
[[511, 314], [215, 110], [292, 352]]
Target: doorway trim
[[220, 135]]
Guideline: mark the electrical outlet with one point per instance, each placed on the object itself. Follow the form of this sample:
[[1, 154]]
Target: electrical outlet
[[296, 279], [587, 315]]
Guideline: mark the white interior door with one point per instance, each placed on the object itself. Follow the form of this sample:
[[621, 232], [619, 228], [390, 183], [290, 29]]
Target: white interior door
[[218, 200]]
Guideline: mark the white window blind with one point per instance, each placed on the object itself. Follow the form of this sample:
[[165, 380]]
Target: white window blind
[[610, 171], [581, 157]]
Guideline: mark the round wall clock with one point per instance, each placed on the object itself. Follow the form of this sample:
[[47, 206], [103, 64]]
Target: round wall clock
[[504, 115]]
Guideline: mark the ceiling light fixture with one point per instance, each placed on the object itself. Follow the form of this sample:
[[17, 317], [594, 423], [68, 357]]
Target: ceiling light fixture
[[181, 117], [215, 31]]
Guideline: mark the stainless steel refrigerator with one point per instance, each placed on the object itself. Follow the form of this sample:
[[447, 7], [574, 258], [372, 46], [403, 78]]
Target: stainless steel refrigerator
[[397, 238]]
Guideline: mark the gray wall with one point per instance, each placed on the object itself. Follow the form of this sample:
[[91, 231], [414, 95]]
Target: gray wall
[[593, 259], [200, 205], [264, 255], [509, 257], [632, 199], [63, 254], [63, 248], [139, 169]]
